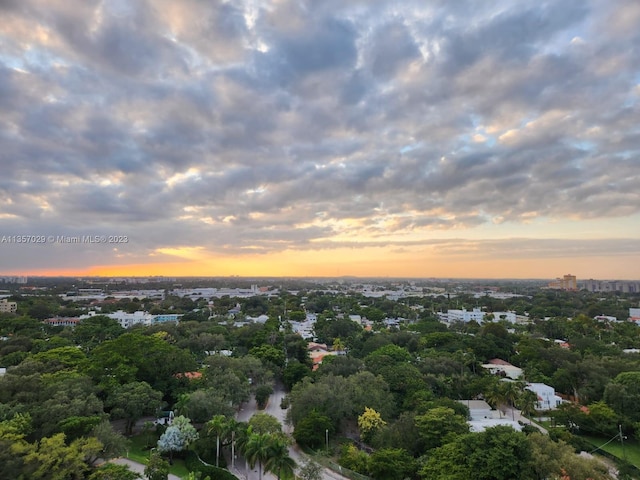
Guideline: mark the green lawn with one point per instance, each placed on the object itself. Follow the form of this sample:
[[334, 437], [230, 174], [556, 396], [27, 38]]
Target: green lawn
[[631, 448], [548, 424], [139, 452]]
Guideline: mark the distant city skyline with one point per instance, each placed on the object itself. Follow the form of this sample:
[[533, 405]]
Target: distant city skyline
[[296, 138]]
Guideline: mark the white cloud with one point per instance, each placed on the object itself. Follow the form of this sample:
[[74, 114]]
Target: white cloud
[[238, 122]]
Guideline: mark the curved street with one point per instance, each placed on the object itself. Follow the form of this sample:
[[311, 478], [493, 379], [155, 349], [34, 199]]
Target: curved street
[[273, 408]]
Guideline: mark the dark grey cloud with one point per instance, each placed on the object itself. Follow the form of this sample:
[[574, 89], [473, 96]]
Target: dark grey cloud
[[241, 126]]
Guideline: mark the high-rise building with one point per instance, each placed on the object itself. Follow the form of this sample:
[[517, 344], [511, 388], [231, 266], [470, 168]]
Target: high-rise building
[[568, 282], [624, 286]]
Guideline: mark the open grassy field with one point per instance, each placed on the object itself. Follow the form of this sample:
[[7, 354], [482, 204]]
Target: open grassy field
[[630, 451]]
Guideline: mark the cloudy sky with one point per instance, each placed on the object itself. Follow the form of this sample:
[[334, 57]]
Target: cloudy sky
[[338, 137]]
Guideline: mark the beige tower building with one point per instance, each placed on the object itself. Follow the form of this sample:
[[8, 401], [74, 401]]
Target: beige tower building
[[8, 307], [568, 282]]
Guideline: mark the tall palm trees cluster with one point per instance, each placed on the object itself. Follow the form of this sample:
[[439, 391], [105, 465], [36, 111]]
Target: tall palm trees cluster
[[514, 395], [268, 450]]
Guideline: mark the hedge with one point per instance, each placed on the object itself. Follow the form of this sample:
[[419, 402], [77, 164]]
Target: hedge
[[193, 464]]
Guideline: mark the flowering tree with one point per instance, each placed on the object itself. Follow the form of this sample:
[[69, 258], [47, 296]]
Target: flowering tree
[[177, 437], [171, 441], [369, 422]]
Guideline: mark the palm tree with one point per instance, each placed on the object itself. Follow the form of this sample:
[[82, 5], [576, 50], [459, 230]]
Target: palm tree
[[495, 397], [182, 405], [147, 427], [233, 427], [528, 403], [511, 392], [279, 461], [217, 426], [257, 450], [338, 345], [243, 432]]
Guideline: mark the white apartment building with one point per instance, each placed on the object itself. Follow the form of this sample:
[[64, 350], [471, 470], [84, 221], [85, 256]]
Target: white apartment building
[[128, 320], [464, 315]]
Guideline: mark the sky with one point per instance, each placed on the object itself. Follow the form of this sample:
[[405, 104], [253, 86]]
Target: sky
[[378, 138]]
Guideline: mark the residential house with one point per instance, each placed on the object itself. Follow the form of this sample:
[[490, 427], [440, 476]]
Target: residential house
[[503, 368], [62, 321], [547, 398], [317, 352], [481, 416]]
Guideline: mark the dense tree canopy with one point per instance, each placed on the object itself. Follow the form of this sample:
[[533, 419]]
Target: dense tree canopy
[[63, 383]]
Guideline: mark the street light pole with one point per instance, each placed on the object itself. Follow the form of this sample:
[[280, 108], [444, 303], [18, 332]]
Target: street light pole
[[233, 449], [326, 433]]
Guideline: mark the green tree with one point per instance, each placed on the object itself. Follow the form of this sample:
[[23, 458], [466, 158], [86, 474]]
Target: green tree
[[137, 357], [52, 458], [311, 430], [498, 453], [62, 358], [112, 471], [389, 353], [257, 450], [132, 401], [64, 401], [440, 425], [340, 398], [293, 372], [263, 392], [157, 468], [265, 423], [354, 459], [92, 331], [403, 433], [12, 445], [269, 354], [217, 426], [511, 392], [527, 403], [279, 461], [147, 432], [113, 443], [551, 459], [373, 314], [202, 404], [623, 395], [391, 464], [340, 365], [569, 415], [495, 396], [600, 419]]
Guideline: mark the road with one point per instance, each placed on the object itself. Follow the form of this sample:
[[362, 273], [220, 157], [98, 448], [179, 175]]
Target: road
[[273, 408]]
